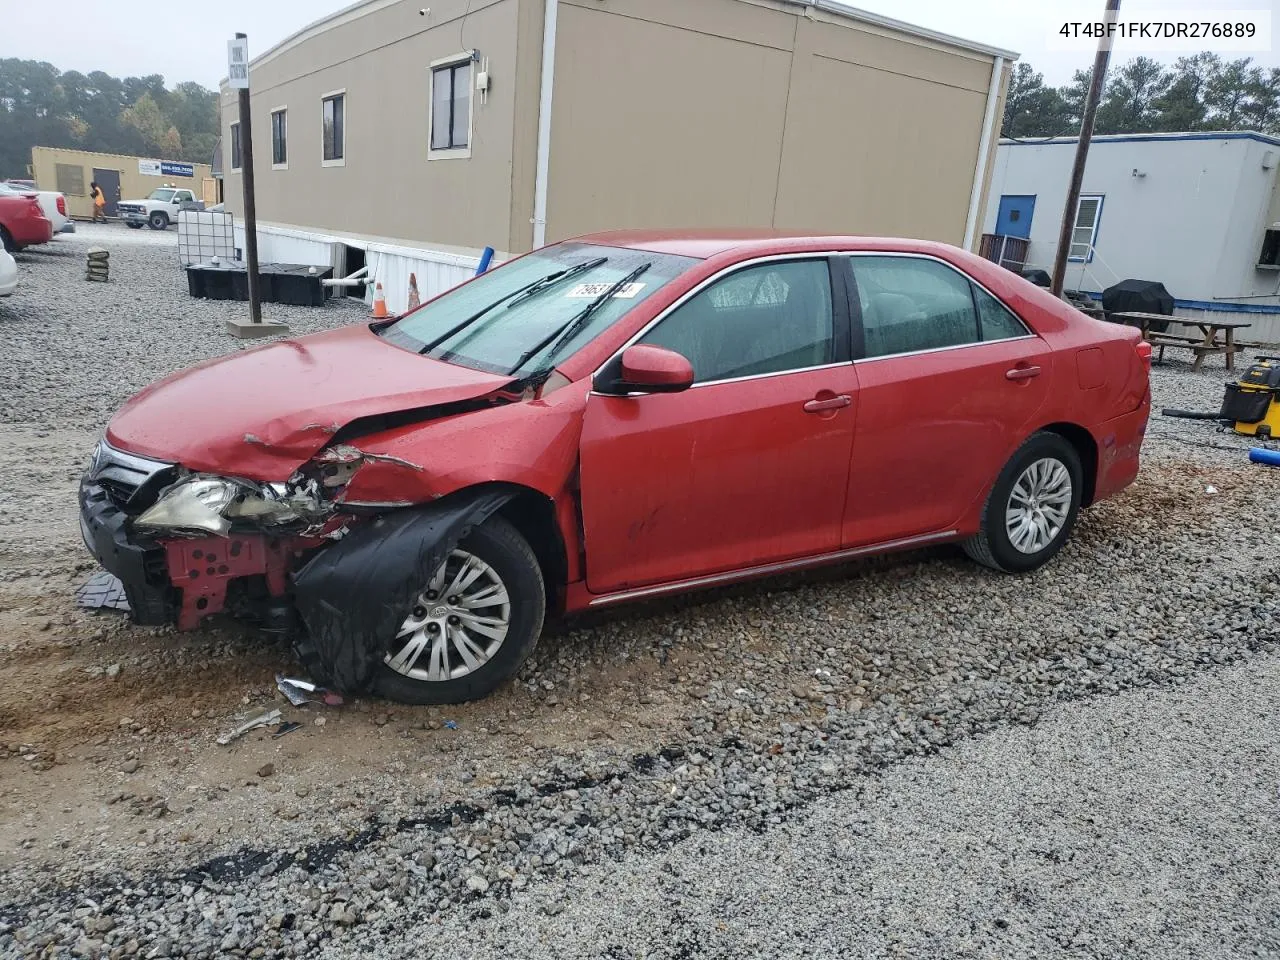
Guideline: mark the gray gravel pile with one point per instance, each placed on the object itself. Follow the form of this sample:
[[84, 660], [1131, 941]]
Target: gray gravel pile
[[76, 350], [782, 699]]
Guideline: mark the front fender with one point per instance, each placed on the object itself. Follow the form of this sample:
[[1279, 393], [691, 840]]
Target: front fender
[[352, 596]]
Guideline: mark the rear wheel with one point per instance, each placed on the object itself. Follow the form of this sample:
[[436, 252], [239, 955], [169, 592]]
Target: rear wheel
[[6, 239], [1032, 508], [158, 220], [472, 624]]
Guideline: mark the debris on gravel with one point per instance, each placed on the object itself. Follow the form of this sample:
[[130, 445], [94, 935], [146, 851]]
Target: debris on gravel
[[739, 710]]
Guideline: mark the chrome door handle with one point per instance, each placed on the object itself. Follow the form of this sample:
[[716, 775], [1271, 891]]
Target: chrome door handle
[[821, 406], [1022, 373]]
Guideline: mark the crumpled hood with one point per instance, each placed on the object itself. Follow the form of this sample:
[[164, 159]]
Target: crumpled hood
[[262, 413]]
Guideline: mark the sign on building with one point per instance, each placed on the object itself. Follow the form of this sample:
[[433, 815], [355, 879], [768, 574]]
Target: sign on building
[[166, 168], [238, 63]]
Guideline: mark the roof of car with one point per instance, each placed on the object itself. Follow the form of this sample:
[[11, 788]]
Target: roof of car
[[704, 244]]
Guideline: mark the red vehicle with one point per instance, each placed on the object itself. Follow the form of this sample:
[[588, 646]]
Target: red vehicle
[[607, 419], [22, 222]]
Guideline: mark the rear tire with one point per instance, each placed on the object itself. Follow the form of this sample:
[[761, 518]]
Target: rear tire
[[134, 226], [1032, 507], [158, 220], [7, 240], [509, 565]]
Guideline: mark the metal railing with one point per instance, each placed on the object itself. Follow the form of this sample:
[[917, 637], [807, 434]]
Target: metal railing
[[1009, 252]]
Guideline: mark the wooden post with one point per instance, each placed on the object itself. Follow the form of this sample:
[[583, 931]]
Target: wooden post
[[1100, 62]]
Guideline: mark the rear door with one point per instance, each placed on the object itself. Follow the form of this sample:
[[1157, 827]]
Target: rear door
[[750, 465], [949, 382]]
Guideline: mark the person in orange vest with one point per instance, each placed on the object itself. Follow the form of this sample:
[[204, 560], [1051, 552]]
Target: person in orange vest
[[99, 203]]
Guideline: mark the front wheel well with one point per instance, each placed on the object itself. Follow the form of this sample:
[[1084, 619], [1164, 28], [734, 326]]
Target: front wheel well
[[1087, 449], [533, 514]]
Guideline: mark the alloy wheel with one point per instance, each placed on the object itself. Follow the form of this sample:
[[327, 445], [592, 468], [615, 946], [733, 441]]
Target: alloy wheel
[[1039, 505], [457, 623]]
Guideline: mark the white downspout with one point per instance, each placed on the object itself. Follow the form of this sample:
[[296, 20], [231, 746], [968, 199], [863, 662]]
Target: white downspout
[[544, 123], [980, 174]]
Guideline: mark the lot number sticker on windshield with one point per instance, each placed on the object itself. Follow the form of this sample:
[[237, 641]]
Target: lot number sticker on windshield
[[589, 291]]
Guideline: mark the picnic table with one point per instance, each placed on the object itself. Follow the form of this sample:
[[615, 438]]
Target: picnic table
[[1208, 342]]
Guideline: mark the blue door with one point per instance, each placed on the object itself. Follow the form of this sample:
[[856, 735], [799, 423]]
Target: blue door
[[1014, 219]]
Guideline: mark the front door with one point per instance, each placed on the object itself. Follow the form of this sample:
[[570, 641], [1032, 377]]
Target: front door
[[948, 387], [748, 466], [109, 181], [1014, 218]]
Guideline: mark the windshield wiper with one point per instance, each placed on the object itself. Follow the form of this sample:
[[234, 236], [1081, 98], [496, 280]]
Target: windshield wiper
[[570, 329], [527, 290], [556, 278]]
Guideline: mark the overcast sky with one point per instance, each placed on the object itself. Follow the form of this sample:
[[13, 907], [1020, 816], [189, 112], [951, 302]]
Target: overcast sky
[[188, 41]]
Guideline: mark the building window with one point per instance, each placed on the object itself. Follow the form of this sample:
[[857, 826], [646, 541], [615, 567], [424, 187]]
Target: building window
[[70, 178], [333, 109], [235, 145], [279, 140], [1084, 235], [1268, 259], [451, 107]]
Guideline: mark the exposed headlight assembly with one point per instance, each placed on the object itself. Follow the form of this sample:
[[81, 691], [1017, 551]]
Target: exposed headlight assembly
[[211, 504]]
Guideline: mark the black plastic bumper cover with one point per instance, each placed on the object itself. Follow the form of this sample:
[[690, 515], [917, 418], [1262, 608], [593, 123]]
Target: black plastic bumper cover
[[354, 595], [141, 568]]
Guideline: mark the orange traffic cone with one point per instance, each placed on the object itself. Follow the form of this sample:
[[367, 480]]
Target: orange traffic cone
[[379, 303], [414, 300]]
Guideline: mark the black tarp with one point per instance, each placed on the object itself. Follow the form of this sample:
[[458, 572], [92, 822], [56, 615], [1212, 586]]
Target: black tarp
[[1138, 296], [1039, 277], [354, 595]]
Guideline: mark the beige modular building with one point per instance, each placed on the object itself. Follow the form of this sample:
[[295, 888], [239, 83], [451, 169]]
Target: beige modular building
[[121, 177], [393, 133]]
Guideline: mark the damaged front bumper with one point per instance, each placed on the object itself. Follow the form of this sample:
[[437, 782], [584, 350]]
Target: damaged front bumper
[[183, 580], [180, 578], [140, 566]]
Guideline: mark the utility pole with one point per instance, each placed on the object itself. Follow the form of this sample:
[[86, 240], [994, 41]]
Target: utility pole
[[1100, 62], [238, 76]]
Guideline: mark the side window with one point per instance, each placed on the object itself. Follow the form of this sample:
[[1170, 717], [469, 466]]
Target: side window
[[763, 319], [997, 322], [910, 304]]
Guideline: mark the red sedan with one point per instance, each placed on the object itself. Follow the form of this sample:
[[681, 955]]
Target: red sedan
[[607, 419], [22, 222]]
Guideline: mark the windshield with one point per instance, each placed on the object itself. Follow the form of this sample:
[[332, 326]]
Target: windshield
[[508, 320], [163, 195]]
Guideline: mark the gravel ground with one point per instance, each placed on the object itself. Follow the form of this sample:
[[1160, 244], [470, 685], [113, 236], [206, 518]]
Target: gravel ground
[[1141, 825], [628, 743]]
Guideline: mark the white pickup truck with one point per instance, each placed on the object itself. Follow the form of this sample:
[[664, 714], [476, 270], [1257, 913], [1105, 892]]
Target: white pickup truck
[[157, 211]]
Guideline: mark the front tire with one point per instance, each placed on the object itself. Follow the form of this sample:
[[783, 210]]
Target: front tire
[[158, 220], [1032, 508], [472, 625]]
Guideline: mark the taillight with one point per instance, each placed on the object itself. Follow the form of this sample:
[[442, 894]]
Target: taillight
[[62, 205], [1144, 351], [35, 207]]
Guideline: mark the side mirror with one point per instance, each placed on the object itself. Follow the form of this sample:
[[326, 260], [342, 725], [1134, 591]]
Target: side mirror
[[651, 369]]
